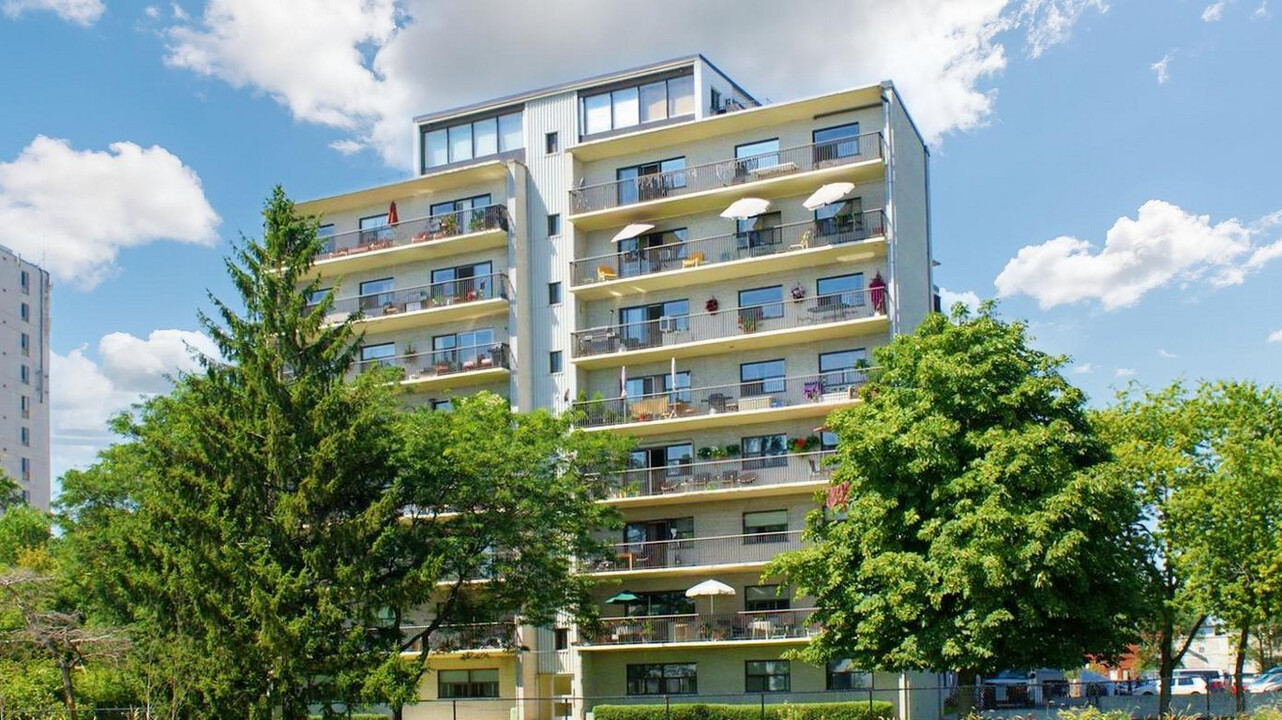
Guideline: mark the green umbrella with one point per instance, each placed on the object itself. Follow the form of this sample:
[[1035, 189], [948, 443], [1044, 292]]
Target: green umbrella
[[622, 598]]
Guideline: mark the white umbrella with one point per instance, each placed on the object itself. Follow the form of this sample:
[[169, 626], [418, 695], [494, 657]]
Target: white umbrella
[[672, 379], [710, 589], [623, 381], [634, 230], [830, 193], [745, 208]]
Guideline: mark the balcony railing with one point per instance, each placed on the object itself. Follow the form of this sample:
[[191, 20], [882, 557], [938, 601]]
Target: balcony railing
[[719, 627], [463, 637], [762, 394], [438, 363], [724, 173], [698, 552], [679, 329], [727, 248], [418, 230], [720, 475], [426, 297]]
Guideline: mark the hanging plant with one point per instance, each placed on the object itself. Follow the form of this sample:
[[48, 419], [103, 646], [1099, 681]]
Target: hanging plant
[[798, 292], [712, 305]]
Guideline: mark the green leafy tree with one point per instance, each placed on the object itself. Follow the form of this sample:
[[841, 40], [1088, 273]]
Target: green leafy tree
[[975, 532], [1158, 447], [1230, 522]]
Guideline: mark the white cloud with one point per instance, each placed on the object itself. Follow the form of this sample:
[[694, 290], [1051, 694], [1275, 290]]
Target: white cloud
[[1275, 336], [1213, 12], [87, 394], [1166, 353], [358, 65], [74, 210], [81, 12], [948, 298], [151, 11], [178, 13], [346, 146], [1161, 245], [1262, 12], [1161, 68], [1083, 369], [1124, 373]]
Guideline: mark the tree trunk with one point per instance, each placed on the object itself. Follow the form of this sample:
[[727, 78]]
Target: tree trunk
[[1239, 696], [68, 692], [1165, 665], [966, 692]]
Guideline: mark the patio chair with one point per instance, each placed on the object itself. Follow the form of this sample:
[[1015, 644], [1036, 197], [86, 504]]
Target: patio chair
[[803, 243], [605, 272], [695, 259]]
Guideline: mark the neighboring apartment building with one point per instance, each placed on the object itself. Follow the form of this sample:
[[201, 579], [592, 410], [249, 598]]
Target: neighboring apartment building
[[24, 381], [570, 246]]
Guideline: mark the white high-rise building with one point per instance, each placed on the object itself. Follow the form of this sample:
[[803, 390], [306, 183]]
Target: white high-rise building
[[687, 266], [24, 381]]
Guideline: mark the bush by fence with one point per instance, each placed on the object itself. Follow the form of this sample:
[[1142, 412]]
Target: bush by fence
[[784, 711]]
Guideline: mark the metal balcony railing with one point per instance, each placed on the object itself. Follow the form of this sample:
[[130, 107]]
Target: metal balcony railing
[[720, 475], [704, 627], [763, 394], [426, 297], [418, 230], [727, 248], [679, 329], [724, 173], [437, 363], [463, 637], [698, 552]]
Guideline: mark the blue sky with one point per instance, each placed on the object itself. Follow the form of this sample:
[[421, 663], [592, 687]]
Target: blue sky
[[1111, 162]]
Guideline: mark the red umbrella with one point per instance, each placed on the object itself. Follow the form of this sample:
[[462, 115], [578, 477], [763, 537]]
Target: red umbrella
[[392, 218]]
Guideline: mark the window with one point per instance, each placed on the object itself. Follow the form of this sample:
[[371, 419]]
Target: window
[[764, 451], [763, 598], [840, 218], [375, 294], [663, 679], [25, 468], [24, 374], [843, 675], [24, 278], [762, 676], [715, 105], [554, 293], [561, 638], [554, 362], [446, 405], [317, 296], [669, 602], [462, 351], [755, 156], [24, 311], [645, 325], [470, 140], [842, 369], [761, 378], [651, 180], [554, 224], [465, 214], [836, 142], [325, 233], [768, 526], [654, 467], [468, 683], [463, 283], [759, 235], [24, 342], [551, 143], [377, 355], [759, 304], [24, 405], [24, 435], [657, 531], [636, 105], [643, 386], [841, 290], [653, 252]]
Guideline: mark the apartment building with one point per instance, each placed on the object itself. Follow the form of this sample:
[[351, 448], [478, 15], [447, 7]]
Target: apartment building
[[684, 264], [24, 381]]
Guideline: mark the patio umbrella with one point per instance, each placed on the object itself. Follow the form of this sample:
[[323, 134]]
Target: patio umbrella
[[622, 598], [672, 376], [745, 208], [830, 193], [631, 231], [710, 589], [392, 217], [623, 381]]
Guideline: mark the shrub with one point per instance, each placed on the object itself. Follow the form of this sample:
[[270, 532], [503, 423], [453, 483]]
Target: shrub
[[782, 711]]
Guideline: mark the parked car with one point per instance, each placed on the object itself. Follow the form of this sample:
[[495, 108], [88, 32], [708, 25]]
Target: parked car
[[1096, 685], [1216, 681], [1023, 688], [1266, 682], [1180, 685]]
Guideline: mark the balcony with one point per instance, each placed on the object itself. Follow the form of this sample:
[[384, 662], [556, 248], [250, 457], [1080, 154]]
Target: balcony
[[775, 475], [695, 555], [724, 257], [423, 238], [448, 369], [824, 317], [499, 637], [767, 400], [463, 299], [790, 171], [761, 626]]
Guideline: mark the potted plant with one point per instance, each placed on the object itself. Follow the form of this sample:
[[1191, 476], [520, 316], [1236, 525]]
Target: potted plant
[[748, 322], [449, 225], [798, 292], [411, 353], [712, 306], [731, 450], [477, 223]]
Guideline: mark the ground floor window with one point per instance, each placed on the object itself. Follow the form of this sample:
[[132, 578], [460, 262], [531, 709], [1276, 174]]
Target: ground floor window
[[843, 675], [662, 679], [468, 683], [767, 676]]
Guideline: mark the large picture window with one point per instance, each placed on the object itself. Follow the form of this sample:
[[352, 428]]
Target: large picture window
[[663, 679], [651, 180], [841, 290], [471, 140], [636, 105], [762, 676], [843, 675], [762, 451], [833, 143], [468, 683], [764, 598], [765, 526], [761, 378]]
